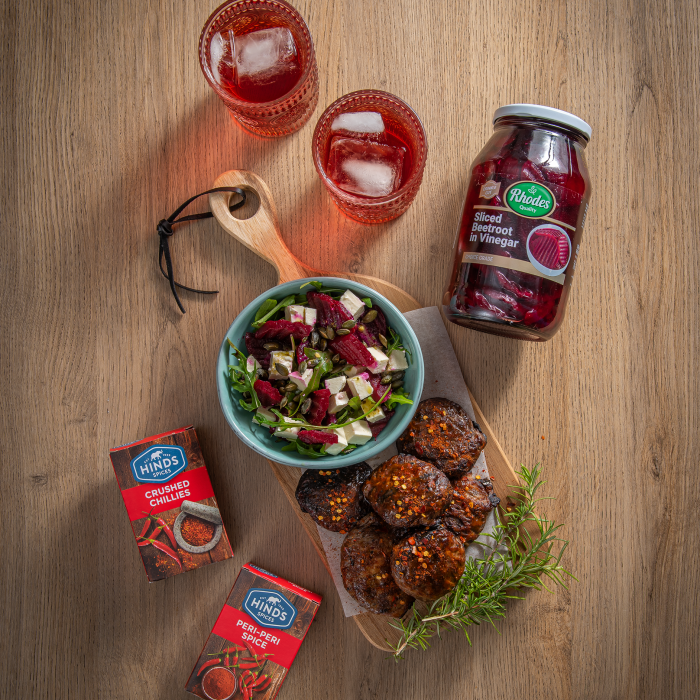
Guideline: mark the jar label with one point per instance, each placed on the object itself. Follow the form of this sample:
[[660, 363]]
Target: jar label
[[530, 199]]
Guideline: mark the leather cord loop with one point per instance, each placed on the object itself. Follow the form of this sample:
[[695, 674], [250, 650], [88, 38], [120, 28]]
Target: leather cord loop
[[165, 231]]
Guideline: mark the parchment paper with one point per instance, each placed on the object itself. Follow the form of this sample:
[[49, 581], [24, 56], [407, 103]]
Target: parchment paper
[[443, 378]]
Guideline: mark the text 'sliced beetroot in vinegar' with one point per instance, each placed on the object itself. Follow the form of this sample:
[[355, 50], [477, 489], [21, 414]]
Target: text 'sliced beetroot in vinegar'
[[521, 227]]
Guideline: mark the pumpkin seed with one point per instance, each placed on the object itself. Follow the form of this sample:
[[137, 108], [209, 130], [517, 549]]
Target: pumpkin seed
[[281, 369], [330, 333], [311, 364], [290, 387], [370, 316], [284, 401], [397, 384], [323, 332], [303, 366], [383, 340], [349, 324], [386, 380], [335, 359], [343, 331], [306, 406], [399, 375], [271, 346], [315, 337], [323, 344], [387, 373]]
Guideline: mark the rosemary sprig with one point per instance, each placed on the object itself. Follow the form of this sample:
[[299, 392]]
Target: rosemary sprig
[[513, 559]]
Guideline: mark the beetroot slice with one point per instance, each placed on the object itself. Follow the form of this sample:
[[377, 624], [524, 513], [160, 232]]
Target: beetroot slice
[[318, 437], [319, 406], [268, 394], [300, 351], [379, 388], [377, 427], [256, 349], [351, 349], [283, 329], [329, 311], [370, 334], [330, 419]]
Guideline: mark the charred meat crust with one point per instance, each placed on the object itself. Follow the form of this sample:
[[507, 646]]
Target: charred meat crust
[[441, 432], [366, 569], [407, 492], [470, 507], [333, 497], [428, 563]]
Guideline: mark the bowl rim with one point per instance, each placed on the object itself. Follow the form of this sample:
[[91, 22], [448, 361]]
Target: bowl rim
[[386, 437]]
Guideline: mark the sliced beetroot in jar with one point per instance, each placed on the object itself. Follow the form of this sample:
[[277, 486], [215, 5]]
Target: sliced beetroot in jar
[[511, 286], [279, 330], [256, 349], [329, 311], [368, 333], [318, 437], [319, 406], [378, 388], [377, 427], [268, 394], [351, 349], [550, 247]]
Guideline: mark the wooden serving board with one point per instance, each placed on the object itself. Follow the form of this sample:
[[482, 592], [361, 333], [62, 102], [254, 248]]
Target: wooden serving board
[[261, 234]]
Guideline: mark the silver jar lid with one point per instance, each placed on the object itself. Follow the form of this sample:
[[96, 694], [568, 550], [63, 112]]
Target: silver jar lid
[[550, 114]]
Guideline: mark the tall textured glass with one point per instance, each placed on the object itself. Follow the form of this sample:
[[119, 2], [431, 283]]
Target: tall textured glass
[[259, 58], [373, 176]]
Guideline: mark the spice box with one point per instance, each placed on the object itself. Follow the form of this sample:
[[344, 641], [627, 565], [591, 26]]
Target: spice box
[[170, 502], [255, 638]]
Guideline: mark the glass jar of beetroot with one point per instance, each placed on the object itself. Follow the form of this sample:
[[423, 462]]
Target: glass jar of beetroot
[[519, 237]]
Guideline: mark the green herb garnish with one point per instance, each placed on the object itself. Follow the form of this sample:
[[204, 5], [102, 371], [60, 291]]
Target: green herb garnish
[[267, 316], [242, 380], [513, 560]]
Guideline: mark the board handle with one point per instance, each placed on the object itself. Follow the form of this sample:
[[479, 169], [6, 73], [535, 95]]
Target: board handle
[[260, 233]]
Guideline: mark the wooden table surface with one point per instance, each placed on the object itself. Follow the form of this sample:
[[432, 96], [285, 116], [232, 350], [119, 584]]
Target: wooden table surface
[[108, 125]]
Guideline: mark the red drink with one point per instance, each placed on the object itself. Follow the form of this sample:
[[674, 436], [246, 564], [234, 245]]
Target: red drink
[[521, 227], [370, 150], [259, 58]]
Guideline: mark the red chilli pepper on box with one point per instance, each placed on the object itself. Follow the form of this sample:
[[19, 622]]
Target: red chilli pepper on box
[[164, 526], [207, 664], [163, 548]]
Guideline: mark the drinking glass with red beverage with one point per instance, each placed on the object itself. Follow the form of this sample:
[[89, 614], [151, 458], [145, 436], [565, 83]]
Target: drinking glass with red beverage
[[259, 58], [369, 148]]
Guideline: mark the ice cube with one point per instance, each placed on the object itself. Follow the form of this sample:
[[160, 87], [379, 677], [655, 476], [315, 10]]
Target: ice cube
[[365, 168], [221, 54], [359, 125], [265, 57]]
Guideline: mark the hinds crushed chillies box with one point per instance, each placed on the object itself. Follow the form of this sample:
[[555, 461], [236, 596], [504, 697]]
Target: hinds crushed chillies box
[[255, 638], [170, 503]]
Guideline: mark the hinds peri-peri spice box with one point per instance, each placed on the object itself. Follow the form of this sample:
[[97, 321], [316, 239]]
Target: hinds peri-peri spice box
[[170, 502], [255, 639]]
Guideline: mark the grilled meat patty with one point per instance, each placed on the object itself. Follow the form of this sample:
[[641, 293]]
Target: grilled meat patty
[[406, 492], [473, 501], [364, 564], [333, 497], [428, 563], [441, 432]]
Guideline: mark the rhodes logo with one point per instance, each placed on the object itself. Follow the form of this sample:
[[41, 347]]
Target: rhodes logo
[[269, 608], [158, 464]]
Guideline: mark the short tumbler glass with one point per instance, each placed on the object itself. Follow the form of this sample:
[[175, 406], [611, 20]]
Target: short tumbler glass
[[284, 114], [402, 126]]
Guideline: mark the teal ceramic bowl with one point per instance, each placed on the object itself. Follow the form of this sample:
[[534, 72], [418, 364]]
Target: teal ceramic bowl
[[258, 437]]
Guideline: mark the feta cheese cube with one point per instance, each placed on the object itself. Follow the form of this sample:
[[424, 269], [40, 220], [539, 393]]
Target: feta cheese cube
[[288, 433], [251, 364], [295, 314], [335, 384], [338, 402], [354, 306], [375, 415], [359, 386], [381, 359], [309, 316], [353, 371], [337, 447], [282, 357], [397, 360], [265, 414], [358, 433], [301, 380]]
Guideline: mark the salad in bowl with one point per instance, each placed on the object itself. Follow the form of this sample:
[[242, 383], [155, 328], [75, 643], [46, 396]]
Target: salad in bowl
[[320, 370]]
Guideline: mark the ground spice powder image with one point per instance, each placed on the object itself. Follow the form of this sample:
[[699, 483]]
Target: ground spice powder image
[[196, 531], [219, 684]]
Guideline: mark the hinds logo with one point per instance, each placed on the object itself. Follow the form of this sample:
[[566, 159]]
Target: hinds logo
[[158, 464], [269, 608]]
